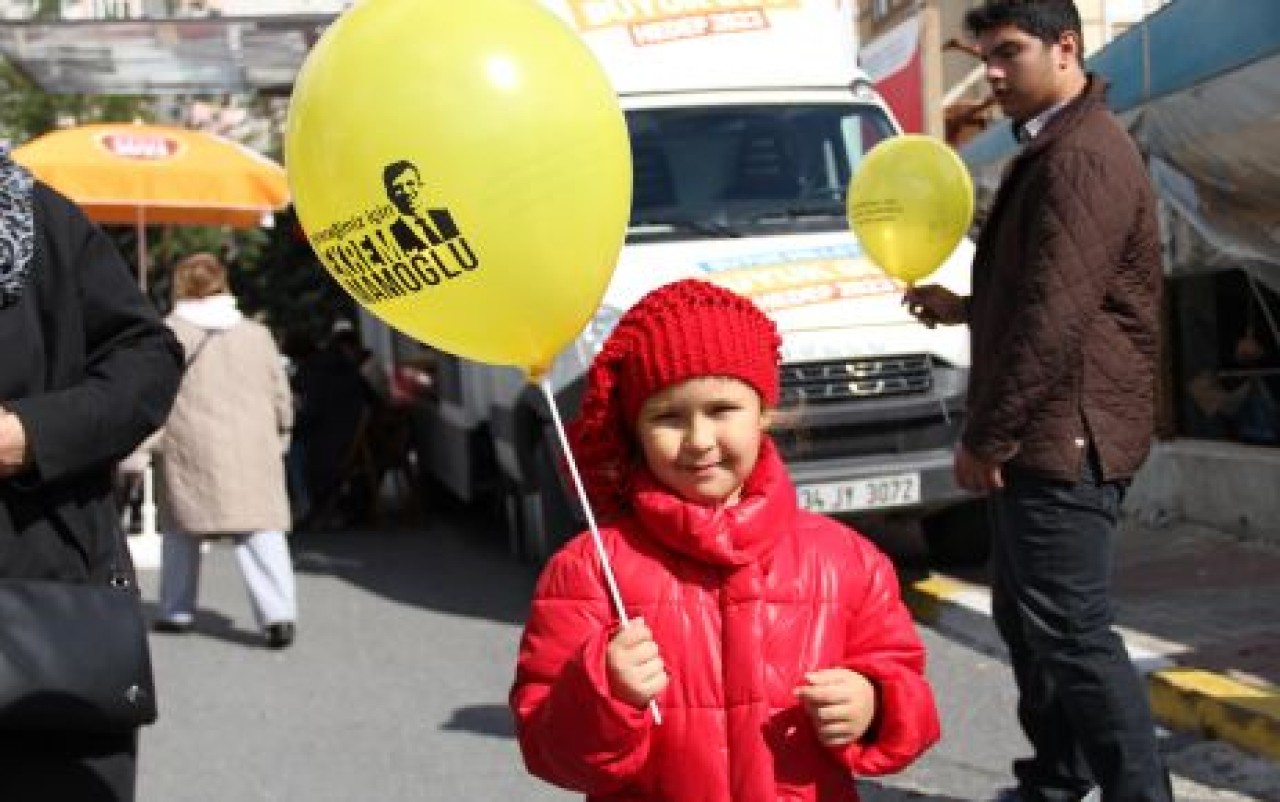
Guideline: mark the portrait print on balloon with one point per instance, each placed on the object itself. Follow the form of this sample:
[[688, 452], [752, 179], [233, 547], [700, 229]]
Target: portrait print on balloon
[[910, 203], [463, 171]]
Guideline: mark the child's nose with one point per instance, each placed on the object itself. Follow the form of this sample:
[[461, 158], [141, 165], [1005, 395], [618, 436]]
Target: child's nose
[[701, 433]]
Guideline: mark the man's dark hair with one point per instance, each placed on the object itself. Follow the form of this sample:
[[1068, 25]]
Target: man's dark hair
[[1046, 20], [391, 171]]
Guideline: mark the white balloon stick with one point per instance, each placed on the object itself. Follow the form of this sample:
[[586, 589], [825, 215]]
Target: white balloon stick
[[609, 579]]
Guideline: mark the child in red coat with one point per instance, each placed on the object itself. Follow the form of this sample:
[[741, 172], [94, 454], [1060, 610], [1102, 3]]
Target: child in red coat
[[772, 641]]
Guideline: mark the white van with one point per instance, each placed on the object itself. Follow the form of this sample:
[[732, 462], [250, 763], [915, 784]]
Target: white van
[[746, 118]]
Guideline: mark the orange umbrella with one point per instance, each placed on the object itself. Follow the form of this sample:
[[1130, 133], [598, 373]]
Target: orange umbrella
[[155, 174]]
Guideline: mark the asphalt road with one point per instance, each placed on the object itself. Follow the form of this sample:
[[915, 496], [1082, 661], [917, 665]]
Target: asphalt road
[[396, 690]]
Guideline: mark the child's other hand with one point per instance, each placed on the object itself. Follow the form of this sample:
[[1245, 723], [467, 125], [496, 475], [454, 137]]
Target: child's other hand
[[841, 703], [636, 671]]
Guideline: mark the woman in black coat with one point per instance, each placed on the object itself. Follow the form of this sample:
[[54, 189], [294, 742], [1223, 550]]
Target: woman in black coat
[[87, 372]]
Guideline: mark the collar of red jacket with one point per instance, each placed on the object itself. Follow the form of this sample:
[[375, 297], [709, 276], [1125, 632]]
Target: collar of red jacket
[[736, 535]]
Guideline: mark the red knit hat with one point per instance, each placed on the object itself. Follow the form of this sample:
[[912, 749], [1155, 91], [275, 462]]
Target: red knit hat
[[679, 331]]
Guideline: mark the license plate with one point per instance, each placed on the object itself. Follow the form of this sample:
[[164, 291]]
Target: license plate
[[861, 494]]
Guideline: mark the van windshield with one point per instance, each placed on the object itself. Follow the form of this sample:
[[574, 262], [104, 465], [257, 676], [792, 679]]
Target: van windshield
[[727, 171]]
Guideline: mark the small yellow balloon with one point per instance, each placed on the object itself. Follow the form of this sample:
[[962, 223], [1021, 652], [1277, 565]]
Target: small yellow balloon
[[463, 170], [910, 202]]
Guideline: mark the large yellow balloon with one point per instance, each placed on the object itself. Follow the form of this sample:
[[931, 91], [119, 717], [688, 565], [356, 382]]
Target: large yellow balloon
[[462, 169], [910, 202]]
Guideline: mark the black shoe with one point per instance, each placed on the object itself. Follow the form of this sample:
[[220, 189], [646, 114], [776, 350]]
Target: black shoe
[[171, 627], [280, 635]]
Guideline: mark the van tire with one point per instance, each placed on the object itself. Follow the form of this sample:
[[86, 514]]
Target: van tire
[[958, 536]]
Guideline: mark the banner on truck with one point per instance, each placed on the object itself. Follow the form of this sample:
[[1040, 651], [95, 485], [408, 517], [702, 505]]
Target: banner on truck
[[655, 21], [675, 45]]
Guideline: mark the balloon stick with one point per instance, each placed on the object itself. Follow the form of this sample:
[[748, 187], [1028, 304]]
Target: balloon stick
[[605, 566]]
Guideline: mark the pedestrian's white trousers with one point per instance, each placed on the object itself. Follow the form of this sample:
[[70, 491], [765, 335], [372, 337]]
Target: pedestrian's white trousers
[[264, 562]]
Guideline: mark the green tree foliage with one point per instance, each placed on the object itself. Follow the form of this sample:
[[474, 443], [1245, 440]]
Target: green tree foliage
[[166, 245], [288, 283], [26, 111], [274, 274]]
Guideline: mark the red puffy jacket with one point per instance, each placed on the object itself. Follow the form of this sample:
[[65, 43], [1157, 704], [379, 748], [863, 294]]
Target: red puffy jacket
[[742, 602]]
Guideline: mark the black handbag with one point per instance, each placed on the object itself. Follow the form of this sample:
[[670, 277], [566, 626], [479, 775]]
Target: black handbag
[[74, 655]]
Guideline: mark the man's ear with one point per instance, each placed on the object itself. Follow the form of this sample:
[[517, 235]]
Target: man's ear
[[1072, 50]]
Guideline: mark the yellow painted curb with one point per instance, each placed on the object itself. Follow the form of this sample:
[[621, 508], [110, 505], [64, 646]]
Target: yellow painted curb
[[1242, 714], [927, 597], [1187, 699]]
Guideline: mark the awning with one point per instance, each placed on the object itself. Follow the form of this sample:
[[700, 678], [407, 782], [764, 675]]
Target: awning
[[206, 55], [1214, 153]]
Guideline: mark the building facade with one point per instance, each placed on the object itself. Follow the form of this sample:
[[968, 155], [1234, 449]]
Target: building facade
[[958, 100], [163, 9]]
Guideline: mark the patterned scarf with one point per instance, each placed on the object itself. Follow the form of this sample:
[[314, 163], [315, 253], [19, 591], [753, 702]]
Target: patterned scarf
[[17, 230]]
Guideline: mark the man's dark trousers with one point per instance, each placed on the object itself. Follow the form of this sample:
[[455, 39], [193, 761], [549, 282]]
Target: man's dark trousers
[[1081, 703]]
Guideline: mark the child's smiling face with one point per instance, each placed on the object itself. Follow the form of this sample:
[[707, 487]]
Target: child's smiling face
[[701, 437]]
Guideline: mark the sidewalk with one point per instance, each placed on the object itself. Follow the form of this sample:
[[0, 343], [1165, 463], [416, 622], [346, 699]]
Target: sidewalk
[[1199, 610]]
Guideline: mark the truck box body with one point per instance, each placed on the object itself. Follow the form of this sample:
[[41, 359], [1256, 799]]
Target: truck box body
[[746, 119], [657, 46]]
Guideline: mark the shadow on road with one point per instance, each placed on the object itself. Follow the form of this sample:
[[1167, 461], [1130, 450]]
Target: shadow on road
[[455, 564], [210, 624], [492, 720], [874, 791]]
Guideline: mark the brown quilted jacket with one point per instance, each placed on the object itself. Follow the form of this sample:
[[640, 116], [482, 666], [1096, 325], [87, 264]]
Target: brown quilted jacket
[[1066, 293]]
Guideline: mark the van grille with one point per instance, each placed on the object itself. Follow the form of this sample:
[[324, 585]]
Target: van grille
[[845, 379]]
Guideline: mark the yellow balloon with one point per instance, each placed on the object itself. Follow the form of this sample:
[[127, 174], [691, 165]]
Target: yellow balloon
[[463, 170], [910, 202]]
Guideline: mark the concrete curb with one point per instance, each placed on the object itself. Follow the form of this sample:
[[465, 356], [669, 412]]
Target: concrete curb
[[1182, 698]]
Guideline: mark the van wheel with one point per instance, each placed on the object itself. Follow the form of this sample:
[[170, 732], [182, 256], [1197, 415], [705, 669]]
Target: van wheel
[[958, 536], [548, 516]]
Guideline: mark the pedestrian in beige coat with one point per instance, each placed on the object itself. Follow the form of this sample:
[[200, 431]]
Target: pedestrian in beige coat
[[221, 456]]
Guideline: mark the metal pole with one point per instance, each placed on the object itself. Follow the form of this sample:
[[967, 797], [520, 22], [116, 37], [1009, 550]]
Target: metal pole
[[142, 248], [145, 548]]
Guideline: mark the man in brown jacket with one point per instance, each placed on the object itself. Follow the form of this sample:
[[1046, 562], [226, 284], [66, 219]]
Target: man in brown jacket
[[1063, 322]]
